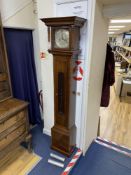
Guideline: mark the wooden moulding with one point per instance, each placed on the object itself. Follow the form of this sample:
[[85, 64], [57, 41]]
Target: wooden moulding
[[4, 69], [64, 21], [66, 53], [11, 107]]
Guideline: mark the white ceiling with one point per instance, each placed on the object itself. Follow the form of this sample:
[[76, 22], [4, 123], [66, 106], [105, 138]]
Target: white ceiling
[[111, 2], [122, 30], [127, 27], [115, 2]]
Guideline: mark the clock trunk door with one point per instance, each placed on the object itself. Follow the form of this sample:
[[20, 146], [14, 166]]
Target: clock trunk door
[[61, 79]]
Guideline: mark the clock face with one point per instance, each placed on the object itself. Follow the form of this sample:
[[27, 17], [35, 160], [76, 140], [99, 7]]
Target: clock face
[[62, 38]]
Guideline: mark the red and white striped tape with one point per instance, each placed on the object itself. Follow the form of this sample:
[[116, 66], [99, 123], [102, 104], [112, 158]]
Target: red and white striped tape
[[72, 162], [114, 143], [113, 148]]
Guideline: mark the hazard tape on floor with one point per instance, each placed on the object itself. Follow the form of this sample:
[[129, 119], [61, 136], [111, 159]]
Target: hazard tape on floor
[[114, 143], [113, 148], [72, 162]]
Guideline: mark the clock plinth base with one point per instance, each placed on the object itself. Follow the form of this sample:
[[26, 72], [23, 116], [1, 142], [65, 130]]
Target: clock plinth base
[[63, 140]]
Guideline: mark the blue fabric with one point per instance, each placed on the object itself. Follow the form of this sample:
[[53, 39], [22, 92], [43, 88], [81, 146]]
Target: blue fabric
[[100, 160], [41, 146], [19, 45]]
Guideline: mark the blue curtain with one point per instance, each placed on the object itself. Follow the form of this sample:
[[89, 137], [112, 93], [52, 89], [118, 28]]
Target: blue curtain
[[20, 52]]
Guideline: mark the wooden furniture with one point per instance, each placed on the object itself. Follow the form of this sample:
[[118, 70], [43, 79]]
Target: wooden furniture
[[64, 35], [14, 125]]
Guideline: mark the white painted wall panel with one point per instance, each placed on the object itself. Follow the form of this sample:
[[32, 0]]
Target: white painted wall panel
[[95, 66], [45, 9], [10, 7], [72, 9], [67, 1], [25, 18]]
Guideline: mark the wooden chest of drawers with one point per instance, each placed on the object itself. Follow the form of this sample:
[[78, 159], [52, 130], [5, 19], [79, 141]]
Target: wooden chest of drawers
[[14, 125]]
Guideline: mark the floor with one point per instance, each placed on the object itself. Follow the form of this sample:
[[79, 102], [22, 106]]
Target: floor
[[115, 126], [116, 121], [100, 160], [41, 146], [20, 162]]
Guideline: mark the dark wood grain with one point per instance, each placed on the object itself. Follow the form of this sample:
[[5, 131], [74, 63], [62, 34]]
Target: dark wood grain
[[64, 21], [4, 69], [64, 130]]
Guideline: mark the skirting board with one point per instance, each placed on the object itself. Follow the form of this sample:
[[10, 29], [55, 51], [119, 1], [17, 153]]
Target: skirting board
[[47, 132]]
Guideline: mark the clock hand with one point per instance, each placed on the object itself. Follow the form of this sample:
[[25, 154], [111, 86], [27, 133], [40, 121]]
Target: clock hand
[[62, 37]]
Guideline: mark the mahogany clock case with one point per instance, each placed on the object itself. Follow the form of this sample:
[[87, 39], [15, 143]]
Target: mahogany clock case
[[64, 130], [72, 24]]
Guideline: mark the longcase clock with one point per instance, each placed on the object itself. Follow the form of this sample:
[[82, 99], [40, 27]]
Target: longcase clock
[[64, 35]]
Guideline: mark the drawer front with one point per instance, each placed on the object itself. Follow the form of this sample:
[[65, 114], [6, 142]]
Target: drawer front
[[12, 136], [4, 94], [12, 121], [3, 86]]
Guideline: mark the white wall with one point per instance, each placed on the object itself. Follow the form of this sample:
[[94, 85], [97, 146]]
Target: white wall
[[45, 9], [20, 14], [66, 1], [95, 66], [9, 8], [14, 14]]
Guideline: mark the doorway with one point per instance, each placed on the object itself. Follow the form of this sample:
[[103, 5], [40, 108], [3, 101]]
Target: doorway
[[115, 120]]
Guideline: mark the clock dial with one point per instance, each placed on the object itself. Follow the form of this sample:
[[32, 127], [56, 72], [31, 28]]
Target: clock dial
[[62, 38]]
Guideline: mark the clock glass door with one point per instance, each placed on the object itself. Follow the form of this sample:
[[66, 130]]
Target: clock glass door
[[61, 39], [61, 90]]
